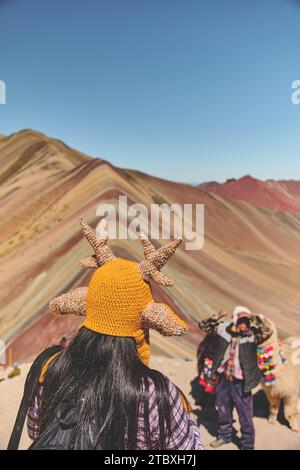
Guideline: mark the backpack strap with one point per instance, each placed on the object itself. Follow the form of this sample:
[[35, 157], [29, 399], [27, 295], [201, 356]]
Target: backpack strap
[[45, 367], [30, 388], [185, 402]]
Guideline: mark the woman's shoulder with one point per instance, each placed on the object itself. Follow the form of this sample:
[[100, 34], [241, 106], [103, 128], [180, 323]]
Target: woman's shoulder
[[174, 393], [159, 376]]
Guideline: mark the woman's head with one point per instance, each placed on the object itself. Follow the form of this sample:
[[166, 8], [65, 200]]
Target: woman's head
[[106, 364], [119, 300], [108, 383]]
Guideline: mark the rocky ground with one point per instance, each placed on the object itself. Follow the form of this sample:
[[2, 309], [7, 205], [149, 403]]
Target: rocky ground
[[184, 374]]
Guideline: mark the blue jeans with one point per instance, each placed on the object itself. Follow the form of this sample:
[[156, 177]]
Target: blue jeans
[[230, 395]]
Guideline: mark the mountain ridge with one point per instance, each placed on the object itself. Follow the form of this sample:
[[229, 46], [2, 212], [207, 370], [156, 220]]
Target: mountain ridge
[[251, 256], [277, 195]]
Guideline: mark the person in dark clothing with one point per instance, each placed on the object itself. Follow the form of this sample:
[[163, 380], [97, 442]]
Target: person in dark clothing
[[234, 361]]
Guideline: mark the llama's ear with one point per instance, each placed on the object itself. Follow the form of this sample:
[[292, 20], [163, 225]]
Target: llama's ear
[[73, 302], [210, 324], [161, 318]]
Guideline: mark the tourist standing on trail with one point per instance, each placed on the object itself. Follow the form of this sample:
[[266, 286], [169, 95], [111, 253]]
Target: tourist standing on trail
[[233, 371]]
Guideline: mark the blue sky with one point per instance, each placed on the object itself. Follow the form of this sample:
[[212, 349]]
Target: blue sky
[[188, 90]]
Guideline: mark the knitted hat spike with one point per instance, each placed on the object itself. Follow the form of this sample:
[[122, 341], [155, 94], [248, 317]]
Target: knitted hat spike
[[98, 241], [156, 259], [158, 316], [161, 318], [73, 302]]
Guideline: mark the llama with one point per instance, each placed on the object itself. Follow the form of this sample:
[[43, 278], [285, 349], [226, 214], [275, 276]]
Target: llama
[[286, 386]]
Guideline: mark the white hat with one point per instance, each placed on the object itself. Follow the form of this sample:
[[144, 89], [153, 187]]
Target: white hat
[[237, 310]]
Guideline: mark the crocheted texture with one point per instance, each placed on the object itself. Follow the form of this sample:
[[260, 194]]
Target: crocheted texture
[[116, 297], [89, 263], [118, 301], [71, 302], [161, 317], [156, 259], [97, 239]]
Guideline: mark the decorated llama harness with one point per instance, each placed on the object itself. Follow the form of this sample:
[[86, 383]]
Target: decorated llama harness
[[207, 380], [266, 363]]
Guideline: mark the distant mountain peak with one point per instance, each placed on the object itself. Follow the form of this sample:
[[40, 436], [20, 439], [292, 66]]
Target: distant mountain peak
[[275, 195], [247, 178]]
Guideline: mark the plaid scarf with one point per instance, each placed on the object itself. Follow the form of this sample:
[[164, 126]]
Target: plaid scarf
[[229, 366]]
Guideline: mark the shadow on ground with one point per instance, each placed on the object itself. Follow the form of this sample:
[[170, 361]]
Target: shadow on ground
[[206, 415], [261, 408]]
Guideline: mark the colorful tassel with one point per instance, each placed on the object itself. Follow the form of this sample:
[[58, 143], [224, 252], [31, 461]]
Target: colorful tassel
[[266, 364]]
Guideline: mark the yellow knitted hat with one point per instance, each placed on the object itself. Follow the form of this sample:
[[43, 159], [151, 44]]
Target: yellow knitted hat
[[115, 299], [119, 300]]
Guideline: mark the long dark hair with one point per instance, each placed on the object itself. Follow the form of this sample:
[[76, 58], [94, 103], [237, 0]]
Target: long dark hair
[[108, 384]]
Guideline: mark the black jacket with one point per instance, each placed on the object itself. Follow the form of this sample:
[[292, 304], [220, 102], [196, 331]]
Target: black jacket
[[247, 355]]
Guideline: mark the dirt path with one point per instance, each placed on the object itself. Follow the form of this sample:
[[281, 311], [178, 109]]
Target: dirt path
[[180, 371]]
